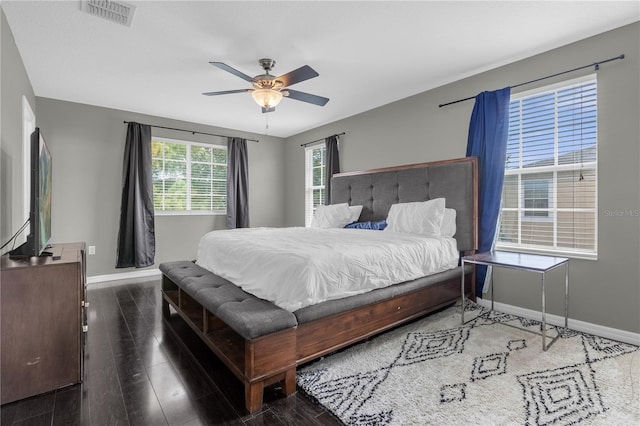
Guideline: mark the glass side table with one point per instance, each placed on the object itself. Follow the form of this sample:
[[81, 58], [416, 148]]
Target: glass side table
[[524, 262]]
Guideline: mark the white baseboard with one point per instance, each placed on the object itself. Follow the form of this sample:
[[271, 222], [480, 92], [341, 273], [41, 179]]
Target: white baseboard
[[98, 281], [585, 327]]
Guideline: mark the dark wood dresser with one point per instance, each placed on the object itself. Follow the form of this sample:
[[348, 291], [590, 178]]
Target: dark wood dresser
[[42, 322]]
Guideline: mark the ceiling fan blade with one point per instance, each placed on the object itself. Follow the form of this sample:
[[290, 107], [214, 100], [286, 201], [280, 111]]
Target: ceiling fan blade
[[232, 70], [226, 92], [307, 97], [296, 76]]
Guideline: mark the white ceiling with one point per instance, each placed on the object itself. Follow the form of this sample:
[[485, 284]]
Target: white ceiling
[[367, 53]]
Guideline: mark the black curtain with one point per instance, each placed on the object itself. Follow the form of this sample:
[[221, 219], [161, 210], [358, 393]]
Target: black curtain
[[237, 183], [136, 236], [332, 165]]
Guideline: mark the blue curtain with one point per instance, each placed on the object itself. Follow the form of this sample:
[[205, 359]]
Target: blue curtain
[[136, 235], [332, 165], [237, 183], [488, 141]]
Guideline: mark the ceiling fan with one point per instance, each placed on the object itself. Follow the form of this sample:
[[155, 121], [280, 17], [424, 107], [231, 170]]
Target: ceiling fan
[[268, 89]]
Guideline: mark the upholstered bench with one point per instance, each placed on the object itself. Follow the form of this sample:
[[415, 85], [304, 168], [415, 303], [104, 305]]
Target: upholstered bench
[[234, 324]]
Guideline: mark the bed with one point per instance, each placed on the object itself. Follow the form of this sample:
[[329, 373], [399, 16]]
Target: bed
[[263, 342]]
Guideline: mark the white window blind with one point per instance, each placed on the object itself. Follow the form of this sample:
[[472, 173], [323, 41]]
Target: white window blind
[[315, 172], [549, 198], [188, 177]]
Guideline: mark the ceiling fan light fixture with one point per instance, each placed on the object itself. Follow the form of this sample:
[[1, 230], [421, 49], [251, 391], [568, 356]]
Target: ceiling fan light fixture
[[269, 90], [267, 98]]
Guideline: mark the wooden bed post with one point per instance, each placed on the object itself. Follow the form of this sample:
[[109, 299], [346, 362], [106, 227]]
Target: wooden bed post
[[167, 285], [269, 359], [290, 382], [253, 396]]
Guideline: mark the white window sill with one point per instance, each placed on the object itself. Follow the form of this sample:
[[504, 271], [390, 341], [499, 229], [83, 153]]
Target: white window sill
[[548, 252], [188, 213]]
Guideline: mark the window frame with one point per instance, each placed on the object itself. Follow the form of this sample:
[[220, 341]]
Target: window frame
[[309, 188], [556, 169], [188, 161]]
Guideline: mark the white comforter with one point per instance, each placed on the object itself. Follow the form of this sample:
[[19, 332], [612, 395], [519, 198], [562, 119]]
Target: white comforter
[[298, 267]]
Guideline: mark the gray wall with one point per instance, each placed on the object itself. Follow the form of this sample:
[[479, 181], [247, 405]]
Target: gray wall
[[604, 292], [14, 83], [87, 147]]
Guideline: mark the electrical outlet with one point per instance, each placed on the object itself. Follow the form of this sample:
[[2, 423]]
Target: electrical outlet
[[92, 250]]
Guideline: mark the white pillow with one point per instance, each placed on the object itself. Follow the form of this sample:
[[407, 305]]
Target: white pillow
[[355, 213], [332, 216], [448, 228], [423, 217]]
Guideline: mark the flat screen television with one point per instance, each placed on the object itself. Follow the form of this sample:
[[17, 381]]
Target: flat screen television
[[40, 200]]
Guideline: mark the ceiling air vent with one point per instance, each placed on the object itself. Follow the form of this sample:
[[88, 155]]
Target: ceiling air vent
[[114, 11]]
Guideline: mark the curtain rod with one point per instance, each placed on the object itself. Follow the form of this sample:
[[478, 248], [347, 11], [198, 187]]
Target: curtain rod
[[191, 131], [318, 140], [595, 64]]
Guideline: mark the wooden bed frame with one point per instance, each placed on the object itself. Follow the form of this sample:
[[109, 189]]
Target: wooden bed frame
[[274, 357]]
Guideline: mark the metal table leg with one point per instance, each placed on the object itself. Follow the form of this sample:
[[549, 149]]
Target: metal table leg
[[462, 290], [566, 295], [544, 318]]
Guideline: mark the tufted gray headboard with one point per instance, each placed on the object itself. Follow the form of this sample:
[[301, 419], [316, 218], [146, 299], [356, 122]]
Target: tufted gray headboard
[[456, 180]]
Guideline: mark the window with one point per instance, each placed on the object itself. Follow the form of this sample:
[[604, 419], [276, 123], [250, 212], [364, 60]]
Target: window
[[536, 196], [549, 198], [188, 177], [315, 173]]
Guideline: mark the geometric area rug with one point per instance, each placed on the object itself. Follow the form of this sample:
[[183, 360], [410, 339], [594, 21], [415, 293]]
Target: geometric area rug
[[437, 372]]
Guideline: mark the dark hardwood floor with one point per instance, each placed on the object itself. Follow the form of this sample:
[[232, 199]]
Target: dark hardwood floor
[[139, 372]]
